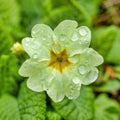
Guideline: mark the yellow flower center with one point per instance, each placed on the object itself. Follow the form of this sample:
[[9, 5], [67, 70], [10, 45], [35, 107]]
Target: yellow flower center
[[59, 61]]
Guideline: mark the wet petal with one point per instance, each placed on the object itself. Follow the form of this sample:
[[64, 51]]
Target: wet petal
[[35, 49], [84, 34], [90, 77], [65, 30], [55, 88], [44, 33], [75, 48], [38, 82], [31, 67], [91, 58], [80, 40], [71, 83]]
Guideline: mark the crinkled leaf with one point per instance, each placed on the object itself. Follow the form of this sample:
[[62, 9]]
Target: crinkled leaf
[[32, 105], [8, 74], [78, 109], [9, 108], [103, 39], [109, 86], [114, 55], [52, 115], [106, 108]]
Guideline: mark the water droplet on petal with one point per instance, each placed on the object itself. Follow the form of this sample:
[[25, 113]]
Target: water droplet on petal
[[36, 45], [82, 69], [35, 56], [27, 39], [74, 37], [76, 80], [62, 37], [83, 31], [74, 58]]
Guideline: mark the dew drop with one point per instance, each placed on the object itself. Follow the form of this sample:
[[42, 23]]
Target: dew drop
[[70, 97], [76, 80], [27, 39], [35, 56], [83, 31], [36, 45], [74, 37], [26, 44], [82, 69], [74, 58], [62, 37]]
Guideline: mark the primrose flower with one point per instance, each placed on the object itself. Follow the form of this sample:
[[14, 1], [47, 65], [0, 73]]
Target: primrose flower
[[60, 60]]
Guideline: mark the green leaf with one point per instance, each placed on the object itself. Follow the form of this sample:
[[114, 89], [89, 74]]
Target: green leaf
[[32, 11], [109, 86], [103, 39], [52, 115], [78, 109], [32, 8], [114, 55], [9, 13], [61, 13], [106, 108], [6, 40], [32, 105], [88, 7], [78, 10], [56, 4], [9, 108], [8, 74]]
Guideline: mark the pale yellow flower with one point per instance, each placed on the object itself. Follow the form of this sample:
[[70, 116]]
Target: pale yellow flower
[[60, 60]]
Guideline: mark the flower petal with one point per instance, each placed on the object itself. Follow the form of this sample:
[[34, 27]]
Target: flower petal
[[31, 67], [71, 83], [38, 82], [55, 88], [80, 40], [35, 49], [84, 34], [75, 48], [65, 30], [90, 77], [90, 58], [43, 33]]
